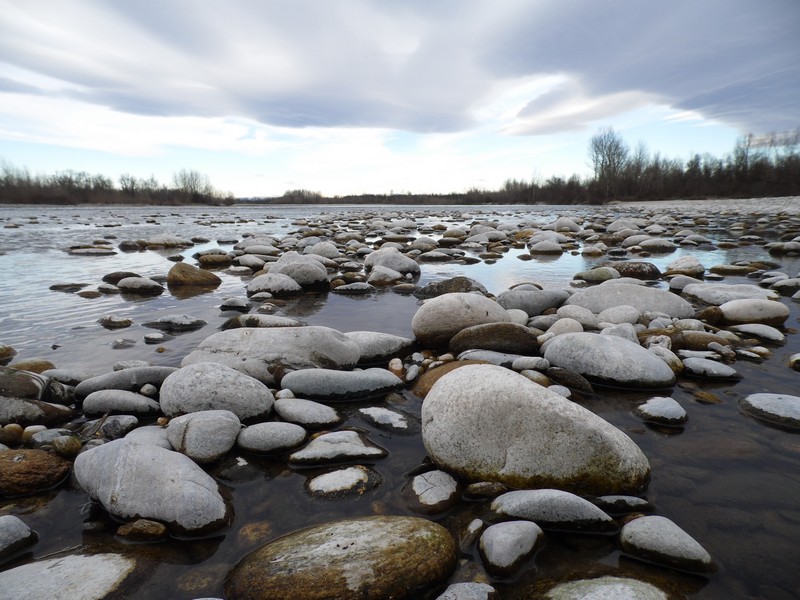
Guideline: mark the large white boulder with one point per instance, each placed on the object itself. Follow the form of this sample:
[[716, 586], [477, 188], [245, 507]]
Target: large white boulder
[[487, 423]]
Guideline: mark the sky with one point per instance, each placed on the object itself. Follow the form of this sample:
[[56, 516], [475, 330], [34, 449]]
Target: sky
[[406, 96]]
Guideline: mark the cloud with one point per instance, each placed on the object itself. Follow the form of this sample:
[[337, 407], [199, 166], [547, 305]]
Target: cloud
[[412, 66]]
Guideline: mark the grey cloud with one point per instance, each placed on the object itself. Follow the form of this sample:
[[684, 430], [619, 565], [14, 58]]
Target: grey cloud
[[732, 60]]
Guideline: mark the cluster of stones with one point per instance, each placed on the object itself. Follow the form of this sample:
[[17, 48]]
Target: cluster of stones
[[497, 375]]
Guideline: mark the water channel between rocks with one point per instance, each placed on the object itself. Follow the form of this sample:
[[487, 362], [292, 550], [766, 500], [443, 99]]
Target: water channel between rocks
[[731, 482]]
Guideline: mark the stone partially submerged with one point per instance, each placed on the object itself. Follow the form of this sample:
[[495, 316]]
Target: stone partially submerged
[[135, 480], [609, 359], [486, 423], [267, 354], [605, 296], [366, 558]]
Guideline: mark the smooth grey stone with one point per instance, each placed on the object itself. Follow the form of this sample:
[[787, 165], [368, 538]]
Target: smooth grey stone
[[659, 540], [664, 411], [468, 590], [768, 312], [335, 447], [500, 359], [212, 386], [271, 437], [607, 587], [357, 288], [332, 385], [276, 284], [385, 418], [487, 423], [609, 359], [146, 481], [119, 402], [780, 409], [710, 369], [717, 294], [176, 323], [554, 509], [204, 436], [379, 347], [608, 295], [15, 535], [533, 302], [442, 317], [763, 332], [129, 379], [140, 285], [84, 576], [150, 434], [505, 546], [268, 353], [306, 412], [258, 320], [392, 259]]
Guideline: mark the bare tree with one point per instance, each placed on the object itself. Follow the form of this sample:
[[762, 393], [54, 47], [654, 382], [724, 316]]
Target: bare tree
[[192, 183], [608, 153]]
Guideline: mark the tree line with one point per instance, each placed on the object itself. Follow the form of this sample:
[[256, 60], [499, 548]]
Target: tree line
[[762, 166], [18, 186]]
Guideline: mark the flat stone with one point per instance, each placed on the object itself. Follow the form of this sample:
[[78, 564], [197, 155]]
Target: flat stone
[[659, 540], [767, 312], [607, 295], [432, 492], [780, 409], [378, 347], [140, 285], [268, 354], [131, 380], [332, 385], [119, 402], [385, 418], [344, 482], [176, 323], [306, 412], [335, 447], [709, 369], [554, 509], [15, 535], [510, 338], [77, 577], [367, 558], [664, 411], [717, 294]]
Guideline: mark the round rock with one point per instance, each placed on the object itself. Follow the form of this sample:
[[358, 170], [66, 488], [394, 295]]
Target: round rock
[[211, 386], [505, 546], [442, 317], [366, 558], [271, 437], [554, 509], [780, 409], [331, 385], [487, 423], [204, 436]]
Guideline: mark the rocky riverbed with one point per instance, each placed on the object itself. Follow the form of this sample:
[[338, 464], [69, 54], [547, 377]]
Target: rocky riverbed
[[522, 402]]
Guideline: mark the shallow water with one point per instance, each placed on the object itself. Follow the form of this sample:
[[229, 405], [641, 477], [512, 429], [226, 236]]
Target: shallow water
[[732, 482]]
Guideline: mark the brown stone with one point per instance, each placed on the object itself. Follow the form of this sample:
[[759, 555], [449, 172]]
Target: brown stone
[[34, 365], [30, 471], [359, 559], [511, 338], [183, 274], [426, 381], [143, 530]]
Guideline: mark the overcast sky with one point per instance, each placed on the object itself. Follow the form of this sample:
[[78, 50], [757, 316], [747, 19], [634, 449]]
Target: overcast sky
[[352, 96]]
